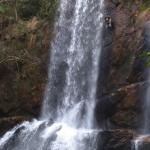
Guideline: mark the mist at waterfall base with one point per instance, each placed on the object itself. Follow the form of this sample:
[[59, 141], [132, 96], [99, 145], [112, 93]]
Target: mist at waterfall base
[[66, 121]]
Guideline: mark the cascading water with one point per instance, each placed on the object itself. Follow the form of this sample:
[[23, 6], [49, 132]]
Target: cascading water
[[66, 121], [146, 127]]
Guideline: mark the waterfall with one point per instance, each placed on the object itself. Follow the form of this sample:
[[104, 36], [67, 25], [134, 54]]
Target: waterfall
[[146, 128], [75, 60], [67, 121], [146, 121], [146, 111]]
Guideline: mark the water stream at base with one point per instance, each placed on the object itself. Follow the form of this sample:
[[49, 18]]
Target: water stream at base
[[66, 121]]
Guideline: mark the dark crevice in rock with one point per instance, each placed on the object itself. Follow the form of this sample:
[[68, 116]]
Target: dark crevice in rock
[[2, 114]]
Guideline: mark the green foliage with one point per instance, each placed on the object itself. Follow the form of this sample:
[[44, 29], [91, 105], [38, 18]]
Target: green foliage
[[21, 28], [144, 3], [47, 10], [1, 10], [148, 62], [7, 10], [148, 55], [28, 8], [133, 1], [25, 10], [145, 54], [143, 7]]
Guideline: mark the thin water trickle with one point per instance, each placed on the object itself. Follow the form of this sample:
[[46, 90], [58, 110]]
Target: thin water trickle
[[67, 119], [146, 127], [146, 110]]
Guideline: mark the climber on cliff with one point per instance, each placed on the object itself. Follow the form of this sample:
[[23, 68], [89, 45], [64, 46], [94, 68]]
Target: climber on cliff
[[107, 20]]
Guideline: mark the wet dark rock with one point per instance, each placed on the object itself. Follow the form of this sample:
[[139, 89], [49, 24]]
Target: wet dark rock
[[144, 143], [144, 146], [41, 127], [50, 122], [45, 124], [19, 130], [105, 105], [115, 140]]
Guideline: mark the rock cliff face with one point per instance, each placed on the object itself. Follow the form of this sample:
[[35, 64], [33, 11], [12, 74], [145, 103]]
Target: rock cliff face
[[123, 79], [23, 69], [122, 44]]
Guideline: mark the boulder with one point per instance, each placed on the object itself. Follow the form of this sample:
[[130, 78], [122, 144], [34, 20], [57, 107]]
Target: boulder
[[134, 96], [106, 104], [129, 111], [122, 108], [118, 139]]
